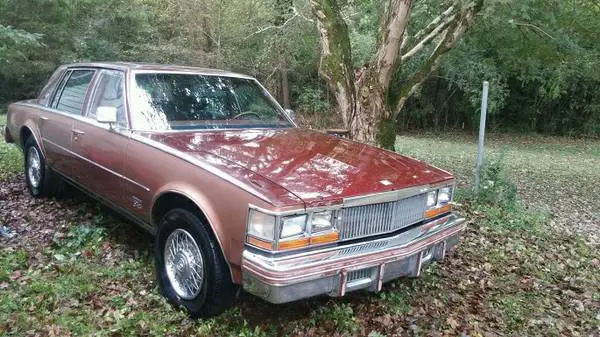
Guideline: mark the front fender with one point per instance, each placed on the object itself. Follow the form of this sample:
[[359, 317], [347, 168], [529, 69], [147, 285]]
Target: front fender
[[207, 208]]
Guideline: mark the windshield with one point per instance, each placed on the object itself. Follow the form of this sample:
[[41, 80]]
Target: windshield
[[170, 101]]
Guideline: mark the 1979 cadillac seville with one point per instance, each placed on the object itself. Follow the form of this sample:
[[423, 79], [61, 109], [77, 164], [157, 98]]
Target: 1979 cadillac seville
[[235, 193]]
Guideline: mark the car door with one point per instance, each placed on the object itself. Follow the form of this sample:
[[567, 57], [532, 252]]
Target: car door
[[101, 147], [57, 125]]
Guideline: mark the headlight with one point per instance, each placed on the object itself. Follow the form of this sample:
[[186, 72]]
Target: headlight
[[321, 221], [444, 196], [293, 225], [431, 198], [261, 225]]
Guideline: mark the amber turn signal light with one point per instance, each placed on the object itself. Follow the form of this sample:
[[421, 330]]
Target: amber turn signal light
[[259, 243], [430, 213], [292, 244], [325, 238]]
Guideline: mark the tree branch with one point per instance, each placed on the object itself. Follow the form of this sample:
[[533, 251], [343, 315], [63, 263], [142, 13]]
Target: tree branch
[[530, 25], [300, 15], [437, 31], [262, 30], [391, 33], [449, 38], [433, 24]]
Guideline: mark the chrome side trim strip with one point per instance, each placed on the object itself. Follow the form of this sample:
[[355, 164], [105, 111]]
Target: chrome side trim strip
[[96, 164], [110, 204]]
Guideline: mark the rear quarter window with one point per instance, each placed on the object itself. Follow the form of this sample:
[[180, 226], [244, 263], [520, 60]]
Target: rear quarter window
[[46, 93]]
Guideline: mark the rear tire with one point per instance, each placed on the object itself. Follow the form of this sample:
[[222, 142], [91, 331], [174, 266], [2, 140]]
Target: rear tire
[[190, 267], [41, 180]]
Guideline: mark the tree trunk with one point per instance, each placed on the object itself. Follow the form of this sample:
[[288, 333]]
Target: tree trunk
[[362, 94], [370, 109]]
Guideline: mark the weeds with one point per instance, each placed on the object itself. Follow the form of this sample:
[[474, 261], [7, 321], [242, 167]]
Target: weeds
[[496, 188], [497, 199], [11, 158], [396, 299], [339, 315]]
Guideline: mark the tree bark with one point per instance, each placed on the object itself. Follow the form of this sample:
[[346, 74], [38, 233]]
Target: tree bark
[[336, 57], [370, 108]]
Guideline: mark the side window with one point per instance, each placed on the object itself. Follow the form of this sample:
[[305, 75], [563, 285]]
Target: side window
[[59, 89], [109, 93], [72, 95], [47, 91]]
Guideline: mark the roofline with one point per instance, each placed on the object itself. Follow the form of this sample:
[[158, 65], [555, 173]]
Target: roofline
[[159, 68]]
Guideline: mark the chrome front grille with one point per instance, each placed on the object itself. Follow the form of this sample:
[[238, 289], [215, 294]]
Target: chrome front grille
[[367, 220]]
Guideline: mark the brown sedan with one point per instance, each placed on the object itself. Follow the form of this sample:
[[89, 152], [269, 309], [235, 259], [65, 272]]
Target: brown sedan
[[235, 192]]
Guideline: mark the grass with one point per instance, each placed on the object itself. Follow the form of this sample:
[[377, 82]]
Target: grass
[[557, 176], [11, 161], [517, 272]]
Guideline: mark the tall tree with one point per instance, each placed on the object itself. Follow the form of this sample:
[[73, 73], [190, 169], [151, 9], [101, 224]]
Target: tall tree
[[363, 95]]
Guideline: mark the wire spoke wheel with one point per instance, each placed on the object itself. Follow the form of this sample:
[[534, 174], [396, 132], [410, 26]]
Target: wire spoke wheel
[[184, 264], [34, 167]]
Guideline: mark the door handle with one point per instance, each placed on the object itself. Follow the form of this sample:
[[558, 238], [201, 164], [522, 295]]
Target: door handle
[[77, 133], [42, 118]]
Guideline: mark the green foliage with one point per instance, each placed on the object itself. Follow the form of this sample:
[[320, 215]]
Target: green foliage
[[37, 36], [386, 135], [496, 188], [79, 237], [312, 101], [396, 299], [542, 64], [497, 197], [12, 158], [341, 315]]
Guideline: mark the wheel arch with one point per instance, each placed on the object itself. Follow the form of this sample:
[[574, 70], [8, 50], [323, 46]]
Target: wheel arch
[[169, 199], [29, 130]]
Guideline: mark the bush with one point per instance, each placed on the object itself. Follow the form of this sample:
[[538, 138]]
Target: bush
[[497, 199], [496, 188], [313, 101]]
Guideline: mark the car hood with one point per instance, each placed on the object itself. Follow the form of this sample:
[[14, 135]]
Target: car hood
[[316, 167]]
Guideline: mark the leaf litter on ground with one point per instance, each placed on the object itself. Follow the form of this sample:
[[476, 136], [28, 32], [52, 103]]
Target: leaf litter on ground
[[74, 268]]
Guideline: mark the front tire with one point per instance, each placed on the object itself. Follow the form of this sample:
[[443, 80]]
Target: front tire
[[191, 269], [41, 180]]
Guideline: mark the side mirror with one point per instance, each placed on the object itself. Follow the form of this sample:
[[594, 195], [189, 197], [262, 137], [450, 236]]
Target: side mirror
[[106, 114], [291, 114]]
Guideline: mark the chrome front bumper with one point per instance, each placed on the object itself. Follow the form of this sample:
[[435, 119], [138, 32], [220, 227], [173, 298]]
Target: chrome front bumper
[[338, 270]]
